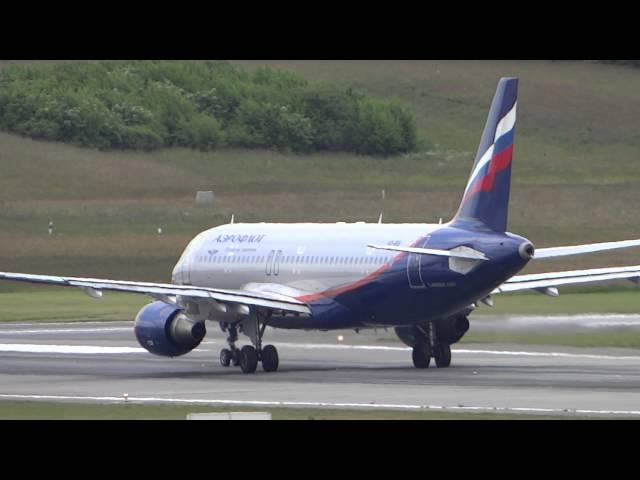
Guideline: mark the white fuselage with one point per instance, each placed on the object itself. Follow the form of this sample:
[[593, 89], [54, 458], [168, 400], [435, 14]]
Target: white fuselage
[[305, 257]]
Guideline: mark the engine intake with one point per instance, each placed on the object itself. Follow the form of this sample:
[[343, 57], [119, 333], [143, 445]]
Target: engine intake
[[164, 330]]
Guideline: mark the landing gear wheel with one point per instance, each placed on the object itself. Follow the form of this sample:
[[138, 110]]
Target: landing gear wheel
[[248, 359], [225, 357], [235, 358], [443, 355], [270, 359], [421, 355]]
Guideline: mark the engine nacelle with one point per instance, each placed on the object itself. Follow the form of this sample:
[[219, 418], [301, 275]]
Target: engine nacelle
[[164, 330], [452, 329], [410, 335]]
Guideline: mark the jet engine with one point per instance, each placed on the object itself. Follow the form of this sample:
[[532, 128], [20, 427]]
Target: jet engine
[[452, 329], [449, 330], [164, 330]]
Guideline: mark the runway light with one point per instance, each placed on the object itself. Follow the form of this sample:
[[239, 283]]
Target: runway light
[[340, 338], [125, 396]]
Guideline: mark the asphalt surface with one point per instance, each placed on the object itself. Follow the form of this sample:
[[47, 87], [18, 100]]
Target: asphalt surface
[[101, 362]]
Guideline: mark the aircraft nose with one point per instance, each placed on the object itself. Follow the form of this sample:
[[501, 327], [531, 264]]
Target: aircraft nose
[[176, 274]]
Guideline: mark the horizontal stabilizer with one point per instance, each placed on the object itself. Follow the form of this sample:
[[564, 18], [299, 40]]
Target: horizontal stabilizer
[[580, 249], [466, 253]]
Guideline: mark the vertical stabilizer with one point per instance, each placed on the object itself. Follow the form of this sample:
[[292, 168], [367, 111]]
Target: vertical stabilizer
[[486, 198]]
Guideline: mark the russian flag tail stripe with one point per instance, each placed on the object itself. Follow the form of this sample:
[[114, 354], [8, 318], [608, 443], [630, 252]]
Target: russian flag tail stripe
[[486, 196]]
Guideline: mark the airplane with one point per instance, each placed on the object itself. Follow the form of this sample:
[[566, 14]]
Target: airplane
[[422, 280]]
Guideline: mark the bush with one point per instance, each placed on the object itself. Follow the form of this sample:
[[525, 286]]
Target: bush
[[201, 132], [140, 137], [152, 104]]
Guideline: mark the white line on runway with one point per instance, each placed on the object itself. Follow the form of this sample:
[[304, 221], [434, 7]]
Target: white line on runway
[[374, 406], [94, 349], [313, 346], [45, 323], [68, 349], [66, 330]]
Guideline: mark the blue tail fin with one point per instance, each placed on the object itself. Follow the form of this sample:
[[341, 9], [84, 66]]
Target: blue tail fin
[[486, 198]]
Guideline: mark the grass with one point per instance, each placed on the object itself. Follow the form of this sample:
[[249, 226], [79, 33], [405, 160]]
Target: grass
[[576, 173], [615, 339], [606, 300], [18, 410], [56, 304]]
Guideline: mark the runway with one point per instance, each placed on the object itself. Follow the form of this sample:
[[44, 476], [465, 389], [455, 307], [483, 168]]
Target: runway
[[99, 362]]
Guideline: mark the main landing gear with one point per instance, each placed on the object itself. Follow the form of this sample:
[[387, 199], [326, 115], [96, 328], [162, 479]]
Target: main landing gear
[[427, 346], [249, 356]]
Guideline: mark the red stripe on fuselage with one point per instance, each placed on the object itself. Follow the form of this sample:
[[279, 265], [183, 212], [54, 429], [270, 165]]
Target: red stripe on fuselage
[[337, 291], [334, 292]]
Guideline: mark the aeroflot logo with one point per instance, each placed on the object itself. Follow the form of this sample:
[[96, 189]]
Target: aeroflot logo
[[239, 238]]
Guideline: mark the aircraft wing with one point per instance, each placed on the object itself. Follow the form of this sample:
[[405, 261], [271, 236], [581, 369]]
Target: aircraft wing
[[547, 282], [164, 291]]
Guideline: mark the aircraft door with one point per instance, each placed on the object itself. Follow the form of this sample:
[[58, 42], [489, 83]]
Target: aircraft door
[[273, 263], [186, 272], [276, 263], [414, 268], [269, 265]]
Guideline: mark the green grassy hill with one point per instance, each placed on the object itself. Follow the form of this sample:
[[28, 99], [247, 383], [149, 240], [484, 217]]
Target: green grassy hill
[[576, 172]]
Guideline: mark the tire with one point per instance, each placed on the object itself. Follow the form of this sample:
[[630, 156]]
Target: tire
[[421, 355], [248, 359], [235, 357], [270, 358], [225, 357], [443, 355]]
